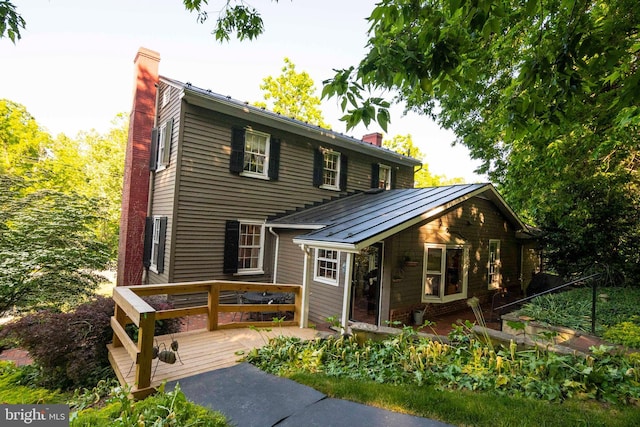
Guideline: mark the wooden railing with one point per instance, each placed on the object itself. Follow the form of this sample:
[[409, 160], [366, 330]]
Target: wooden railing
[[131, 308]]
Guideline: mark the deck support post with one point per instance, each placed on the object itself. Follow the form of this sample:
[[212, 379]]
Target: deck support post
[[145, 347], [212, 303]]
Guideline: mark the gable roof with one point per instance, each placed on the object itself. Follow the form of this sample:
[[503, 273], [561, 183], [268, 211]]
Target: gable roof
[[227, 105], [357, 221]]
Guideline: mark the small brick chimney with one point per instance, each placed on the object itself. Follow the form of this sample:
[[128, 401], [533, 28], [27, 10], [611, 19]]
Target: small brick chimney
[[373, 139], [135, 191]]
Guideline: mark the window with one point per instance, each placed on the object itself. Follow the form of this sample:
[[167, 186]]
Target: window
[[250, 247], [161, 146], [330, 170], [254, 154], [493, 274], [384, 177], [243, 247], [326, 266], [154, 243], [445, 272], [166, 96]]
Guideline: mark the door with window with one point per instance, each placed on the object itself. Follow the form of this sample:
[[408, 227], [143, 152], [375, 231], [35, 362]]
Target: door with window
[[445, 272], [366, 285]]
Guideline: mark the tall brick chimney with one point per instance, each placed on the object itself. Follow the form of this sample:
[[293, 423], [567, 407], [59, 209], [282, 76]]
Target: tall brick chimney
[[135, 191], [373, 139]]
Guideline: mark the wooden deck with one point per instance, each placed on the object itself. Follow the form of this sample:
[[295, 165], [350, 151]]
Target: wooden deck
[[202, 351]]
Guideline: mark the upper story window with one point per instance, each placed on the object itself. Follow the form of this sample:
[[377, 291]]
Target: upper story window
[[493, 273], [254, 154], [244, 247], [166, 96], [445, 272], [161, 146], [384, 177], [326, 266], [330, 170]]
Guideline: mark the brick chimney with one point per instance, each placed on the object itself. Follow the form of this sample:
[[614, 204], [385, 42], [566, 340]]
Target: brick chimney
[[373, 139], [135, 191]]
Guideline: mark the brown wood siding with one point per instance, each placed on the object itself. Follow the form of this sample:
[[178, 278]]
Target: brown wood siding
[[164, 181], [472, 223], [290, 258], [208, 194]]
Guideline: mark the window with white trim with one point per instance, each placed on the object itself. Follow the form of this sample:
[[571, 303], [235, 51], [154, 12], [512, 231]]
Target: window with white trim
[[331, 170], [250, 247], [384, 177], [326, 266], [493, 267], [162, 131], [445, 272], [155, 244], [256, 154]]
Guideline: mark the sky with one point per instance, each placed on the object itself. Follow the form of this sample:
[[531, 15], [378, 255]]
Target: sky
[[73, 67]]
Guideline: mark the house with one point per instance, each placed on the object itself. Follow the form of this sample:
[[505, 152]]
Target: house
[[215, 188]]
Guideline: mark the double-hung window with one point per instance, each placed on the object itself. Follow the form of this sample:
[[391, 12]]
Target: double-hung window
[[493, 273], [330, 170], [326, 266], [256, 154], [161, 146], [154, 243], [384, 177], [243, 247], [445, 272]]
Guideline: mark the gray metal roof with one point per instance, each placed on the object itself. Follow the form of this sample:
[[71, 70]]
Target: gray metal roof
[[356, 221], [233, 107]]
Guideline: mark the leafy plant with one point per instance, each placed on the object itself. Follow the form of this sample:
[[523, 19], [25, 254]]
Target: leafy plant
[[625, 333], [15, 387], [69, 348]]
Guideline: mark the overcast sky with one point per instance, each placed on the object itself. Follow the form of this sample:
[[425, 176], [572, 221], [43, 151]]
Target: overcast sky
[[73, 67]]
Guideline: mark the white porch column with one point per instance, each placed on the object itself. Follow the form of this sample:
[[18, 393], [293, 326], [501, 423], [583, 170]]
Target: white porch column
[[304, 316], [347, 293]]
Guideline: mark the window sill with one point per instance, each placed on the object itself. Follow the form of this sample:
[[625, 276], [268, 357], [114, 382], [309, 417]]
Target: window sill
[[326, 281], [254, 175], [329, 187], [248, 272], [444, 300]]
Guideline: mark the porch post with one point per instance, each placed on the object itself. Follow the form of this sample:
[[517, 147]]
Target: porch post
[[347, 293], [304, 316]]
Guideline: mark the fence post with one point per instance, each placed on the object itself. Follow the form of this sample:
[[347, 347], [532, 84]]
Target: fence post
[[214, 300]]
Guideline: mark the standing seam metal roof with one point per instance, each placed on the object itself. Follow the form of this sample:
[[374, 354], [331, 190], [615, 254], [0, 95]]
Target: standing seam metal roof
[[360, 217]]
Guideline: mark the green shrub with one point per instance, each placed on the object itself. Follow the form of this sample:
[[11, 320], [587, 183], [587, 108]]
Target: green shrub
[[625, 333], [162, 409], [14, 388]]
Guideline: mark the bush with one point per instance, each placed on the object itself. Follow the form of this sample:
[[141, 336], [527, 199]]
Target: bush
[[625, 333], [15, 388], [163, 327], [70, 348]]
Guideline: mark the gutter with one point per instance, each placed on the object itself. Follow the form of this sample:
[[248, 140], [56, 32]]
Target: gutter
[[275, 257]]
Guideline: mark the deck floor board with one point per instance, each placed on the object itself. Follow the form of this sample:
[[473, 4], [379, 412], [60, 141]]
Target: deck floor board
[[203, 351]]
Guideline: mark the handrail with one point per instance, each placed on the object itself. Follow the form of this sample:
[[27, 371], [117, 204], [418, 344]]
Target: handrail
[[131, 308]]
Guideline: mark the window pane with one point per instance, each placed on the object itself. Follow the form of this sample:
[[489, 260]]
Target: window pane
[[432, 285], [454, 272], [434, 259], [255, 152], [249, 247]]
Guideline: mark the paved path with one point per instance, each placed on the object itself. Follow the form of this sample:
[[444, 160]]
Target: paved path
[[249, 397]]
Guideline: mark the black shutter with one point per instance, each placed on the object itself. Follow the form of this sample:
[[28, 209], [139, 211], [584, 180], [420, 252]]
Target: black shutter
[[274, 158], [236, 162], [148, 241], [162, 237], [167, 142], [394, 177], [375, 175], [343, 172], [153, 151], [231, 242], [318, 166]]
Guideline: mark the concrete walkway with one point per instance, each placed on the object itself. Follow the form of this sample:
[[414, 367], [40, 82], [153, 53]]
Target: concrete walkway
[[249, 397]]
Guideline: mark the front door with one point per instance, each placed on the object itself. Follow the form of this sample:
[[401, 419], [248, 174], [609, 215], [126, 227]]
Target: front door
[[365, 289]]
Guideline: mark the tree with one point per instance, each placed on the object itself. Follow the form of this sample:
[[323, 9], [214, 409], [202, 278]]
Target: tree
[[403, 144], [293, 95], [11, 22]]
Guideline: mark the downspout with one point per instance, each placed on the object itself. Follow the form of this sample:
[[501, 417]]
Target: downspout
[[347, 293], [275, 257], [304, 316], [152, 177]]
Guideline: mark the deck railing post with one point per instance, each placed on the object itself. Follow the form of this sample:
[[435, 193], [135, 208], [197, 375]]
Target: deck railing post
[[145, 346], [213, 301]]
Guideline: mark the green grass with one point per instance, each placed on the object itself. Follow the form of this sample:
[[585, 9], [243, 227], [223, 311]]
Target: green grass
[[468, 408], [15, 388]]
